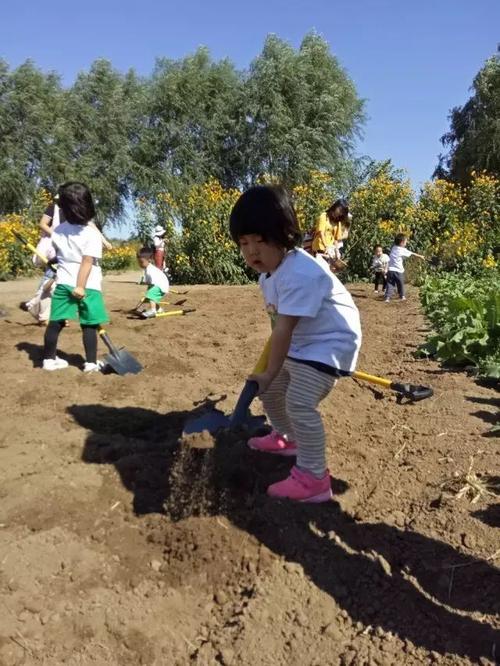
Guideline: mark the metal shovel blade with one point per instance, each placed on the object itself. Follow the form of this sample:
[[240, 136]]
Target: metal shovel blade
[[412, 392], [240, 418], [120, 360], [123, 363], [211, 421]]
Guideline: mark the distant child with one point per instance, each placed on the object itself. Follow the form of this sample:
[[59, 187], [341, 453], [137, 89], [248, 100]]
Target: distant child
[[380, 263], [78, 292], [396, 271], [159, 244], [157, 281], [315, 340]]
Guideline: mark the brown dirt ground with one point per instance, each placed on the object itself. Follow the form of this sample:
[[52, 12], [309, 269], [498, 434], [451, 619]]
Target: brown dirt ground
[[119, 547]]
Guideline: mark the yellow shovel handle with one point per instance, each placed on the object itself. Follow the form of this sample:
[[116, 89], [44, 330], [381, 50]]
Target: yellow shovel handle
[[261, 364], [373, 379], [170, 314]]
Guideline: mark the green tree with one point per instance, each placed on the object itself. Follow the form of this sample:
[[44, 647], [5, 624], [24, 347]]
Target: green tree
[[302, 111], [101, 114], [473, 141], [189, 125], [30, 111], [381, 207]]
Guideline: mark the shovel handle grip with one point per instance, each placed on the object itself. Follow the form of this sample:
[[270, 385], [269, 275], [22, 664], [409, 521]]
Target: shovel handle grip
[[52, 263], [261, 364], [107, 341], [240, 412]]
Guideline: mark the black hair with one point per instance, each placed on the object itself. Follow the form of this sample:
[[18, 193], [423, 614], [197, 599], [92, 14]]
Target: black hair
[[75, 200], [267, 211], [344, 210], [145, 253], [378, 245], [399, 239]]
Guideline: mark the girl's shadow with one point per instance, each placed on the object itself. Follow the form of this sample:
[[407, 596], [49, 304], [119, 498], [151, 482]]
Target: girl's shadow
[[402, 581]]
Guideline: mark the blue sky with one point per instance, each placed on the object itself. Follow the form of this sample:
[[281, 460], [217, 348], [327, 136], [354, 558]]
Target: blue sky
[[412, 61]]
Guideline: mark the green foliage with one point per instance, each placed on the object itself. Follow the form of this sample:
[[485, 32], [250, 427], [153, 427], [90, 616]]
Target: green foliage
[[200, 249], [465, 314], [474, 137], [302, 111], [119, 258], [381, 207], [192, 120], [30, 110]]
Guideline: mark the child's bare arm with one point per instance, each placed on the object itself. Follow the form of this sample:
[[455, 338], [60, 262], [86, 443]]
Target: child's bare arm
[[45, 223], [83, 276], [280, 344]]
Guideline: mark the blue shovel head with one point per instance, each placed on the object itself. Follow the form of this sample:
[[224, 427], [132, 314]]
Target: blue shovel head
[[240, 418]]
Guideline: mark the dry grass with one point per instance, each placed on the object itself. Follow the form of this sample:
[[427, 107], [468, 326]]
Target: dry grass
[[471, 485]]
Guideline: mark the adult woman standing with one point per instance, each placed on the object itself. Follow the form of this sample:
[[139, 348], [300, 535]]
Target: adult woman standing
[[332, 227]]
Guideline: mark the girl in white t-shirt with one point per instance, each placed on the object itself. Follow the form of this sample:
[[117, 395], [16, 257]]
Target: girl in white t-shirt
[[78, 292], [315, 340]]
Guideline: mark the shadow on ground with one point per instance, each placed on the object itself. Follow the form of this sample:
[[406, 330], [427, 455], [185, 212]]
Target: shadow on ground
[[399, 580], [35, 354]]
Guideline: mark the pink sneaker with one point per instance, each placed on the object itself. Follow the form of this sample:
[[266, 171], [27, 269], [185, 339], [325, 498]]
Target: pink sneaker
[[302, 487], [273, 443]]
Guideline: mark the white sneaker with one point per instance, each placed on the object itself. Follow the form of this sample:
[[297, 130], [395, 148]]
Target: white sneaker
[[148, 314], [93, 367], [54, 363]]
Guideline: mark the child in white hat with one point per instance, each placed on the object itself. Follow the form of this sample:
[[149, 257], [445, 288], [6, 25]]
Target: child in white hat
[[159, 243]]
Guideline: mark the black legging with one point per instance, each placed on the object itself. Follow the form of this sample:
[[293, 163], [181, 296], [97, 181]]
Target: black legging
[[380, 279], [89, 334]]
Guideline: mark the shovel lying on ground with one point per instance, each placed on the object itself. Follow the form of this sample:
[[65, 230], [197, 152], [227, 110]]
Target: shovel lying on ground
[[136, 310], [173, 313], [412, 392], [120, 360], [241, 415]]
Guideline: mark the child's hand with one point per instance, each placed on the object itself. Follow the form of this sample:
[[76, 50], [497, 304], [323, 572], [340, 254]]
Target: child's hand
[[263, 379], [78, 292]]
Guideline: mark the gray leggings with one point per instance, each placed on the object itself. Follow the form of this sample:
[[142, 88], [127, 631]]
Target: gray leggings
[[291, 403]]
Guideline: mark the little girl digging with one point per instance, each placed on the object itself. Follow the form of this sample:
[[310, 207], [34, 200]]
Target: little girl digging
[[78, 292], [315, 340]]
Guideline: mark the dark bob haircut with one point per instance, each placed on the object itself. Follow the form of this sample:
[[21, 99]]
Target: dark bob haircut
[[267, 211], [76, 202], [145, 253], [342, 207]]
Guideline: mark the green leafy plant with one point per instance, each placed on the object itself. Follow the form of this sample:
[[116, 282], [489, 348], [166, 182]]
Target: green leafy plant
[[465, 314]]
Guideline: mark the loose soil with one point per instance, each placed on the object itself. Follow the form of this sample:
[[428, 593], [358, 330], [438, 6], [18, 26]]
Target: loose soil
[[122, 543]]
